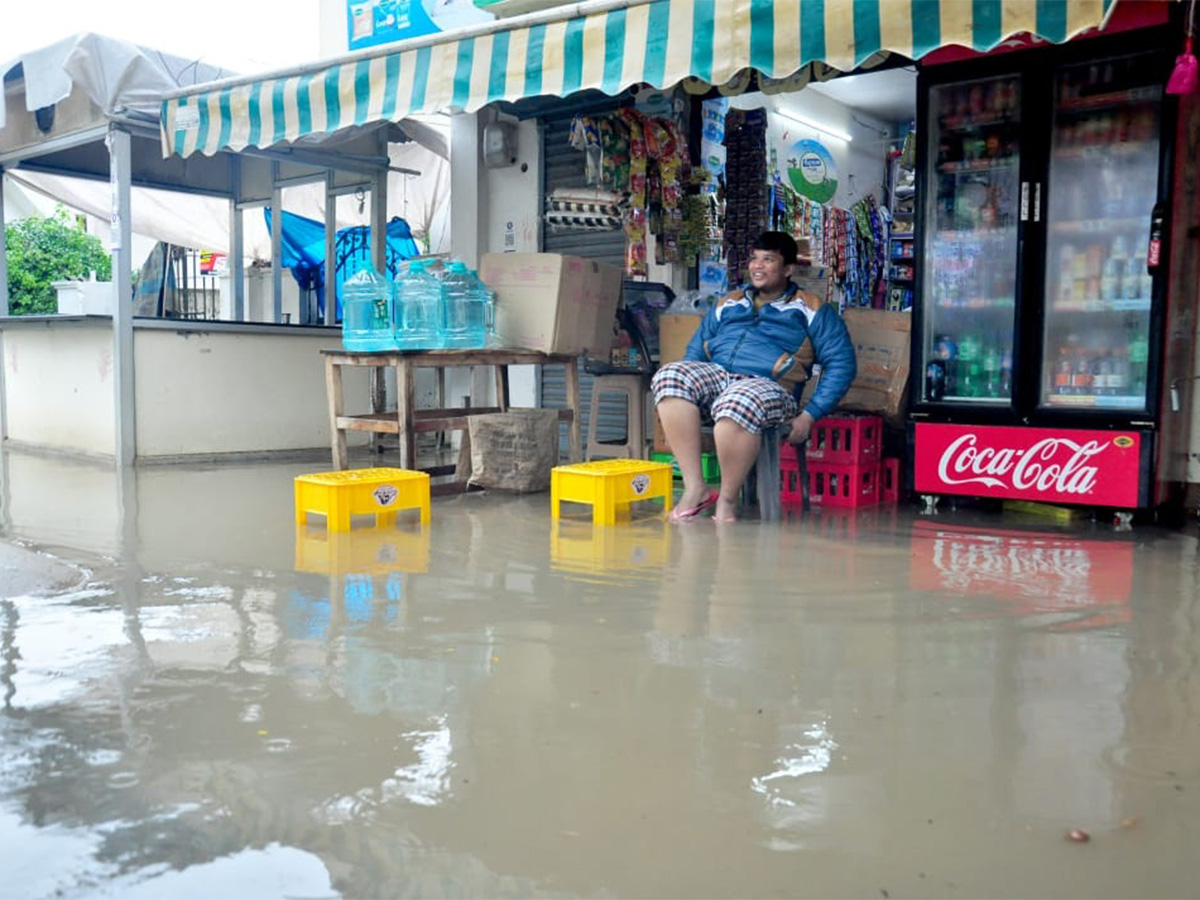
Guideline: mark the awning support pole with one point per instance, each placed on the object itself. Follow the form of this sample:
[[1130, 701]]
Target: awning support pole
[[119, 173], [276, 246], [237, 241], [3, 255], [330, 251], [3, 312], [379, 201]]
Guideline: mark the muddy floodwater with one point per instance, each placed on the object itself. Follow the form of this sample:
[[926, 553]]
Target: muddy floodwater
[[203, 699]]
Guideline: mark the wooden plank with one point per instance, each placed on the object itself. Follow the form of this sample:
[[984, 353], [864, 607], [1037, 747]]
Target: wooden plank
[[440, 358], [337, 437], [384, 423]]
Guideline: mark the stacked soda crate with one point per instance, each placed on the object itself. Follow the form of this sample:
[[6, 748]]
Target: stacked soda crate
[[844, 463]]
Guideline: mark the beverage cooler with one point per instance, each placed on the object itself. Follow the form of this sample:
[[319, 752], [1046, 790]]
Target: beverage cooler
[[1041, 274]]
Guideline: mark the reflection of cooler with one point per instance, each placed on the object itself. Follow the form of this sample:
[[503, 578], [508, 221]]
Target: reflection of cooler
[[1037, 572]]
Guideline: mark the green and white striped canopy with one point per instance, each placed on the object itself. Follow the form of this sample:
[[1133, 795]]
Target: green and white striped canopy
[[605, 46]]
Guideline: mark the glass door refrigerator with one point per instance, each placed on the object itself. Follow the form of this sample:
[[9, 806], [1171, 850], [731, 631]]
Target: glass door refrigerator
[[1040, 275]]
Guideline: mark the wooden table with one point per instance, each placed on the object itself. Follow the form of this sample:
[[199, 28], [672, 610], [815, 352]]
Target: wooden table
[[407, 421]]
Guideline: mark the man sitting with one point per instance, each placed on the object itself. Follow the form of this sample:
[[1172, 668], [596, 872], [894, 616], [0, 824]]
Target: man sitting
[[741, 370]]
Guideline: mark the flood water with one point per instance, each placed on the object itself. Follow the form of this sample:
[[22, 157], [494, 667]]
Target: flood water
[[850, 704]]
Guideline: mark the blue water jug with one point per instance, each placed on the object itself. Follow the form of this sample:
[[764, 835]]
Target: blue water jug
[[491, 339], [419, 305], [367, 309], [465, 305]]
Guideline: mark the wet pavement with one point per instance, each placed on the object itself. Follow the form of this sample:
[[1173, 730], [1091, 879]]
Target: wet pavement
[[862, 704]]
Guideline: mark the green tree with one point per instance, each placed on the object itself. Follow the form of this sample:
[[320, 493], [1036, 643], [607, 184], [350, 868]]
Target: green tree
[[45, 249]]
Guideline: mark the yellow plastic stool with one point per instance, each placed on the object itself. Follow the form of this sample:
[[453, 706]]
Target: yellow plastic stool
[[361, 492], [609, 485]]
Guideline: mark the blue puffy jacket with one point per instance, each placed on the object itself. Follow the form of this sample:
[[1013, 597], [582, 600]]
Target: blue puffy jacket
[[766, 342]]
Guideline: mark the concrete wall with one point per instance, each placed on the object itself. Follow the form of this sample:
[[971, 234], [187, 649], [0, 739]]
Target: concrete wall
[[213, 392], [860, 163], [199, 392], [58, 378]]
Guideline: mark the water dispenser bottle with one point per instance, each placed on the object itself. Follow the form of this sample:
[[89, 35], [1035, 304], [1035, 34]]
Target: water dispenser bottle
[[367, 310], [465, 303], [418, 309]]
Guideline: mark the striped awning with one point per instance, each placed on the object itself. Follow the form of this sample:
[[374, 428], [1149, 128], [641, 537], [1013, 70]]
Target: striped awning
[[604, 46]]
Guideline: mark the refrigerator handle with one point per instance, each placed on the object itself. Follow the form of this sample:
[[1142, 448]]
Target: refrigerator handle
[[1037, 201], [1024, 201]]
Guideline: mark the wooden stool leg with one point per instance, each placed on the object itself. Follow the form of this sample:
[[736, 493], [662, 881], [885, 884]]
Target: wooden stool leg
[[337, 436]]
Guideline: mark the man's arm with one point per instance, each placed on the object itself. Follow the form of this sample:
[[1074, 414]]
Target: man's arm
[[834, 350]]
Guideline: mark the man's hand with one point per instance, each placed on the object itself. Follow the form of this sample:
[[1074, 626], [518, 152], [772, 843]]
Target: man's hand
[[801, 428]]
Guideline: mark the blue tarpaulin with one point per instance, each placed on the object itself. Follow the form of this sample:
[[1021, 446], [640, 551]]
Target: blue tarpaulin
[[304, 252]]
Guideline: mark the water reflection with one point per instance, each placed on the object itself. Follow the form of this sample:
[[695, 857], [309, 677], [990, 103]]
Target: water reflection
[[1069, 581], [501, 705]]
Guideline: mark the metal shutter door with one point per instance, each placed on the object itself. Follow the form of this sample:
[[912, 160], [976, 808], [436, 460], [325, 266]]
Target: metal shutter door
[[564, 167]]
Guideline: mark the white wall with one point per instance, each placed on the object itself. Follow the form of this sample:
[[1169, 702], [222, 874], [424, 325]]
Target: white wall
[[58, 381], [213, 392], [862, 158]]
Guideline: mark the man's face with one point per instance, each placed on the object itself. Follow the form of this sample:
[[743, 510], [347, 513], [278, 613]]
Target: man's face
[[767, 271]]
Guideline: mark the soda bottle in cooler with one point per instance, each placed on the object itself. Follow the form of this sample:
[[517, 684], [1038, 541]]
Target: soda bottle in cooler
[[935, 380], [1006, 373], [1062, 373], [991, 372]]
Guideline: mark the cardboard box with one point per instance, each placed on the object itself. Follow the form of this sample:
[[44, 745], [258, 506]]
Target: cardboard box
[[881, 342], [554, 303], [674, 332]]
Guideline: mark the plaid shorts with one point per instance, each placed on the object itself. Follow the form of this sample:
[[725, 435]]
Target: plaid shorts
[[754, 403]]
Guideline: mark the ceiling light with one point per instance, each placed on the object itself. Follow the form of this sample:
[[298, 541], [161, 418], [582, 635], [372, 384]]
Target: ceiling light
[[816, 126]]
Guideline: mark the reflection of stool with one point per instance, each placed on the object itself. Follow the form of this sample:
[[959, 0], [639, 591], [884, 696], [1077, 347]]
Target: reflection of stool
[[361, 492], [363, 552], [609, 484], [633, 387]]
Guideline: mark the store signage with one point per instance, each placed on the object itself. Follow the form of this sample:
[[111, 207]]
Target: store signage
[[1098, 468], [812, 171], [370, 23]]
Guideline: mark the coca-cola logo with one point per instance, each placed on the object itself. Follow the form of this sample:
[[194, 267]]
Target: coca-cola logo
[[1053, 464]]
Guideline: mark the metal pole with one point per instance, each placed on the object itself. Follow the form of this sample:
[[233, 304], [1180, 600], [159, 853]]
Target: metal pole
[[119, 155], [276, 246], [237, 240], [379, 223], [3, 312], [330, 250], [3, 254]]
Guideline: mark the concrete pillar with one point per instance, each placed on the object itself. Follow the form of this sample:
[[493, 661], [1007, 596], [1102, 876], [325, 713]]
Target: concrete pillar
[[119, 157]]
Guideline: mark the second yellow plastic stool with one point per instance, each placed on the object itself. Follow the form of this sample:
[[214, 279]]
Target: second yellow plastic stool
[[361, 492], [609, 485]]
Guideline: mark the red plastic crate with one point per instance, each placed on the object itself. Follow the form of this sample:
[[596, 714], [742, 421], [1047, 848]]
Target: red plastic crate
[[846, 440], [889, 480], [831, 484]]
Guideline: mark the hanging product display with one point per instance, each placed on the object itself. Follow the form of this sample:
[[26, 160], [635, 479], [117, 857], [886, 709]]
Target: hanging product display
[[747, 197], [642, 167]]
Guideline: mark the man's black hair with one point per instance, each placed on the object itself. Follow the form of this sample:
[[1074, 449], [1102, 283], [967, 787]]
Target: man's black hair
[[778, 242]]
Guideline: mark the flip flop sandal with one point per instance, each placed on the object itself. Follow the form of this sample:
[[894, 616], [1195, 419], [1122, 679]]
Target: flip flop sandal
[[679, 514]]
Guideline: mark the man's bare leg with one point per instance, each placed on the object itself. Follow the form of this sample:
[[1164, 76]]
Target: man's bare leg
[[737, 451], [681, 424]]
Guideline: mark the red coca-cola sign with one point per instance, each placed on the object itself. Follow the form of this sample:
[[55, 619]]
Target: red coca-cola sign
[[1054, 465]]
